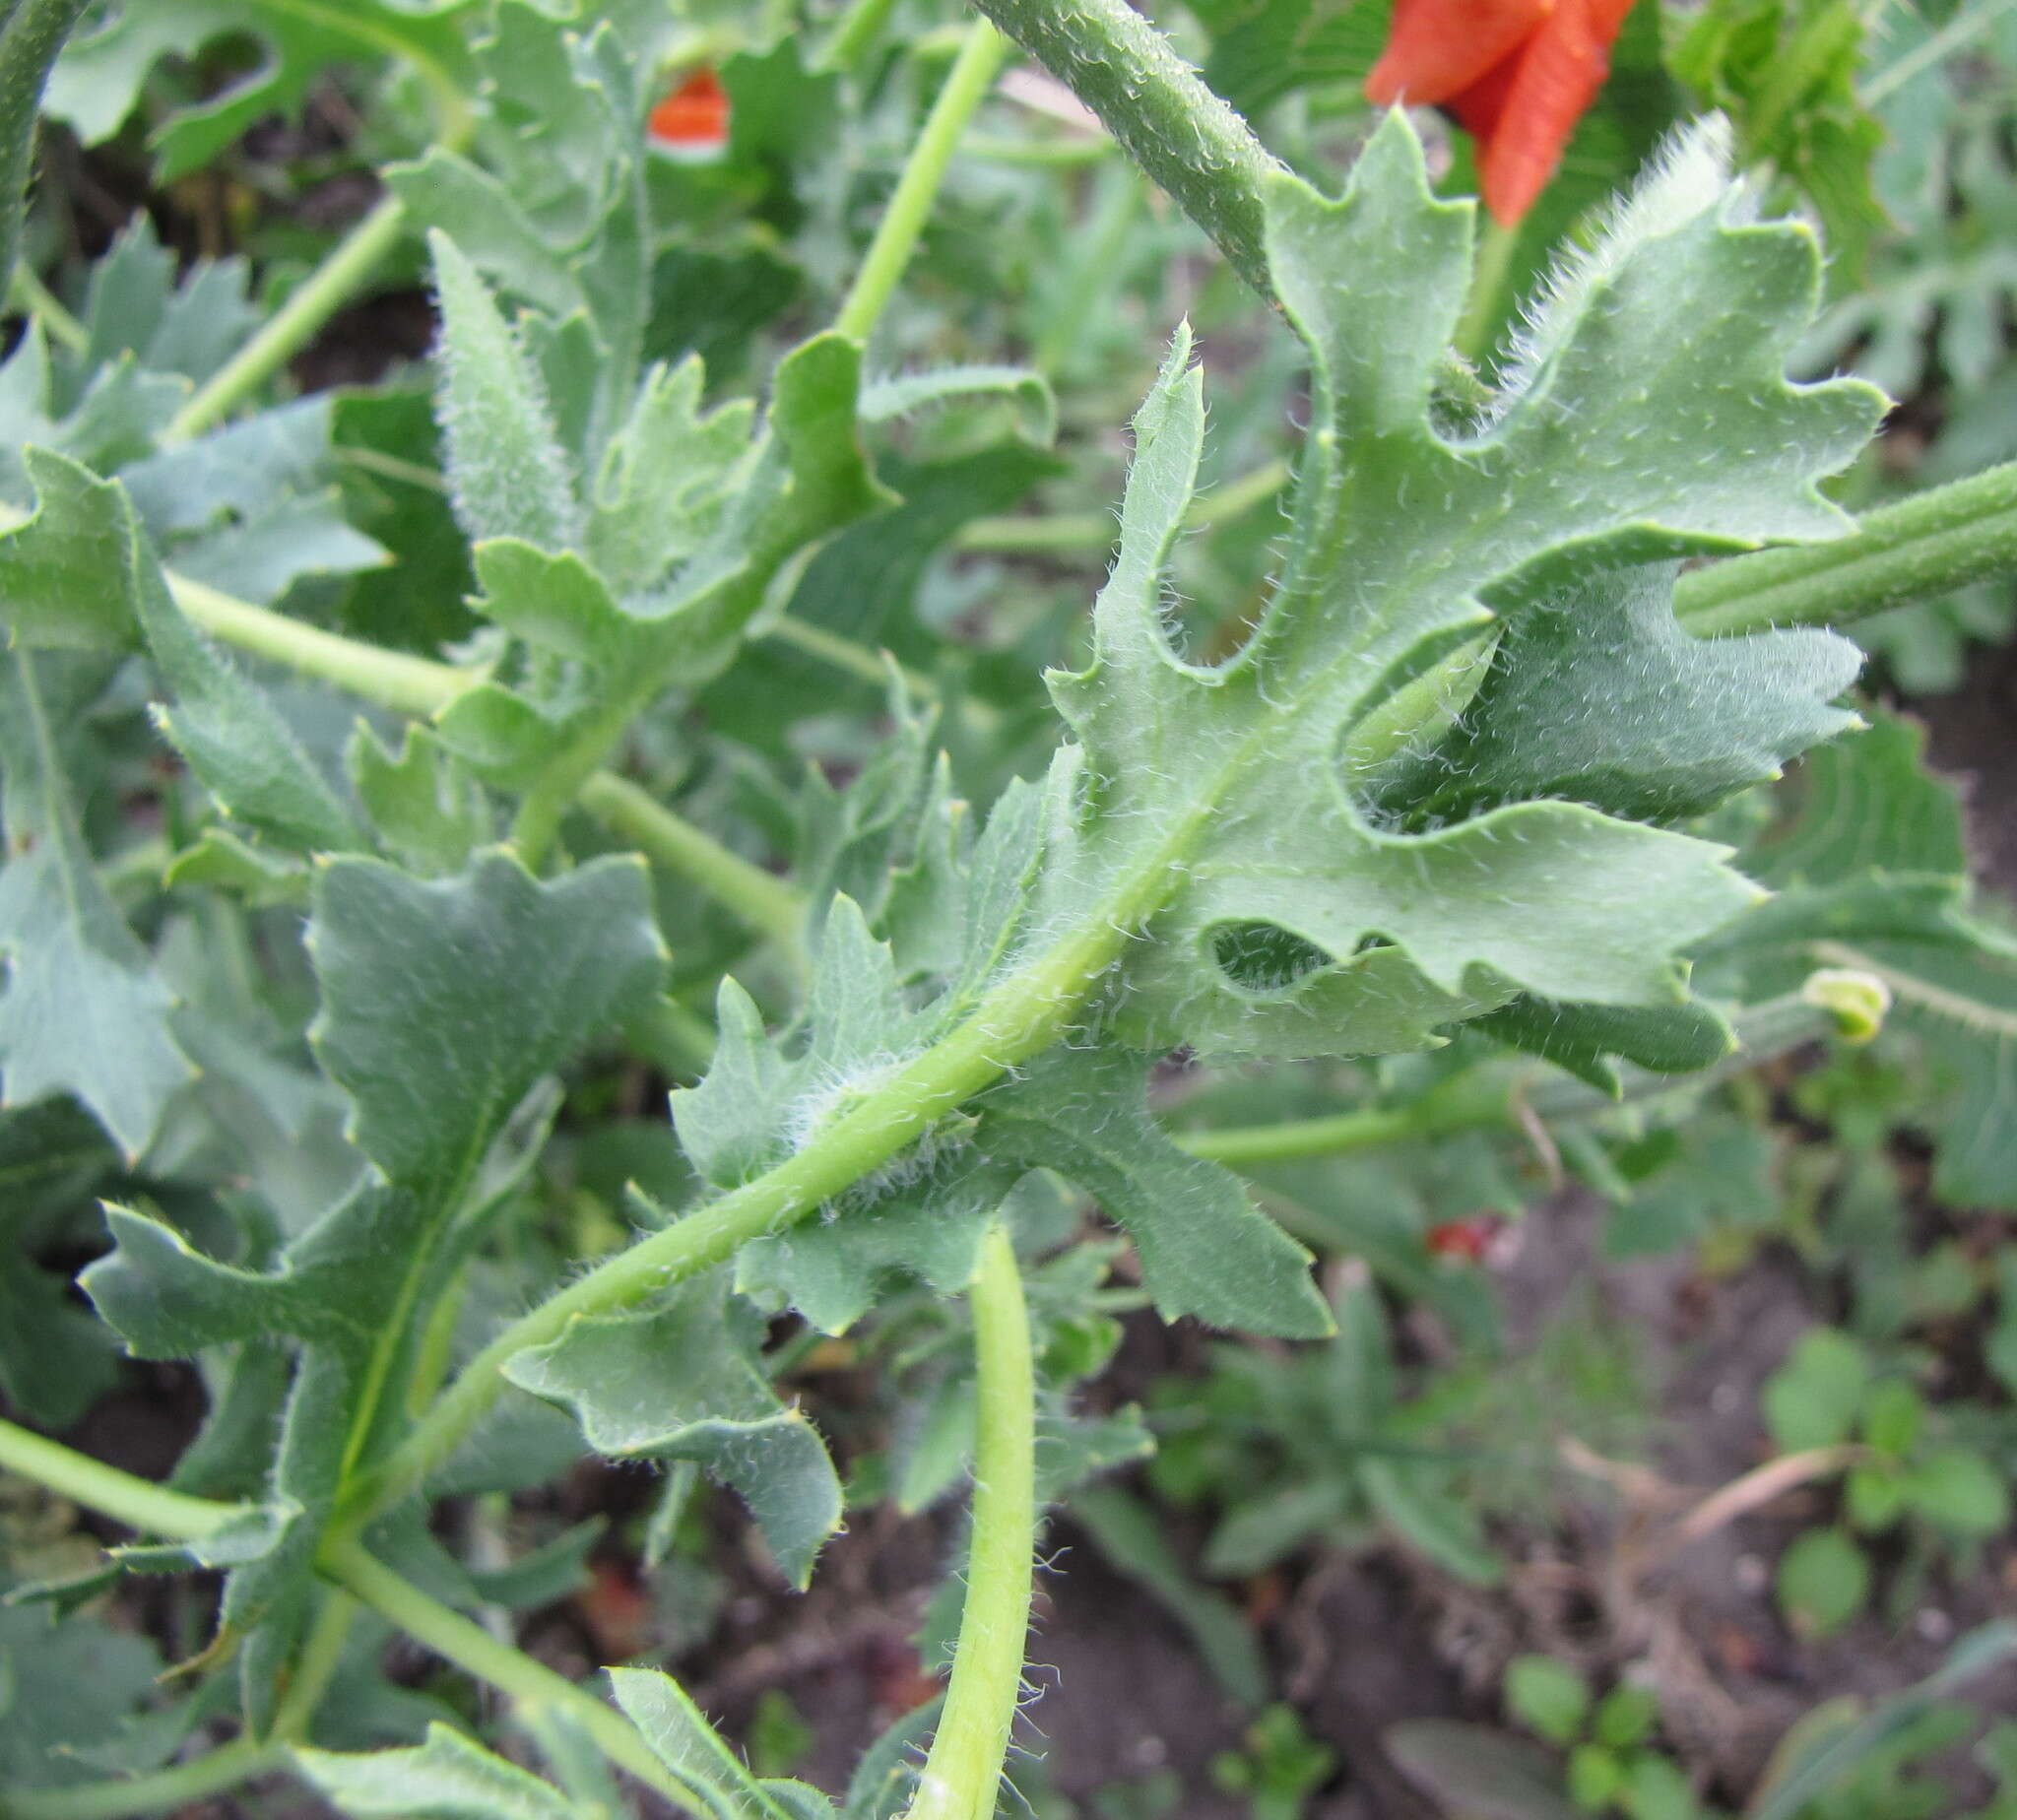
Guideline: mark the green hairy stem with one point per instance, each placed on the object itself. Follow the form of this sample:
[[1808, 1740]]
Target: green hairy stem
[[962, 1775], [1155, 105], [1916, 550]]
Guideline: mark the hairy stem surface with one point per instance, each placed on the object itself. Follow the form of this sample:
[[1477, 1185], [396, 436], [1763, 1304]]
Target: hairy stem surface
[[962, 1775], [1158, 105], [1922, 547]]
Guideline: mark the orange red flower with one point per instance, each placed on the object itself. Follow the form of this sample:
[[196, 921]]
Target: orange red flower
[[694, 117], [1516, 75]]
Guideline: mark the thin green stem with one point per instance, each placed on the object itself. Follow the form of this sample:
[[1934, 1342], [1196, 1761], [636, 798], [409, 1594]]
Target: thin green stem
[[354, 258], [1476, 1101], [972, 74], [153, 1510], [1962, 30], [474, 1651], [761, 900], [157, 1511], [321, 1655], [1065, 532], [416, 685], [1489, 1097], [1485, 306], [966, 85], [175, 1789], [665, 1033], [858, 29], [540, 807], [1025, 1013], [394, 679], [1182, 134], [420, 687], [295, 324], [1066, 154], [844, 654], [1923, 546], [962, 1775], [36, 300]]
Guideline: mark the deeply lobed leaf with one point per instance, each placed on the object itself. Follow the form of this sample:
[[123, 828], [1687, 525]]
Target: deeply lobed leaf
[[1648, 418]]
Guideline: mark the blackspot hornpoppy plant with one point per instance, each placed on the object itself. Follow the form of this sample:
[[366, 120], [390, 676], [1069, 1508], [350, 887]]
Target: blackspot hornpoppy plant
[[1516, 75], [693, 117]]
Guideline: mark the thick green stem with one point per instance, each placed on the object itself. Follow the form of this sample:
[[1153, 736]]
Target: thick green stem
[[962, 1775], [972, 74], [1154, 103], [474, 1650], [1923, 546], [1025, 1013], [153, 1510]]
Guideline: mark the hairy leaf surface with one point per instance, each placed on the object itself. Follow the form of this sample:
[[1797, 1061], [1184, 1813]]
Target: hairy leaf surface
[[682, 1381], [1648, 418]]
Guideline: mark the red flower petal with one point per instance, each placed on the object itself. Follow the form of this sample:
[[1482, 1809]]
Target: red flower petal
[[1439, 47], [694, 115], [1555, 79], [1516, 75]]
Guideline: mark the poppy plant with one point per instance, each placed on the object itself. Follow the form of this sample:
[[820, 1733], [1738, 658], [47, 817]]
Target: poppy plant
[[1516, 74], [693, 117]]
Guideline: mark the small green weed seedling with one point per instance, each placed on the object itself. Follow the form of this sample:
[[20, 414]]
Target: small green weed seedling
[[1896, 1472]]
